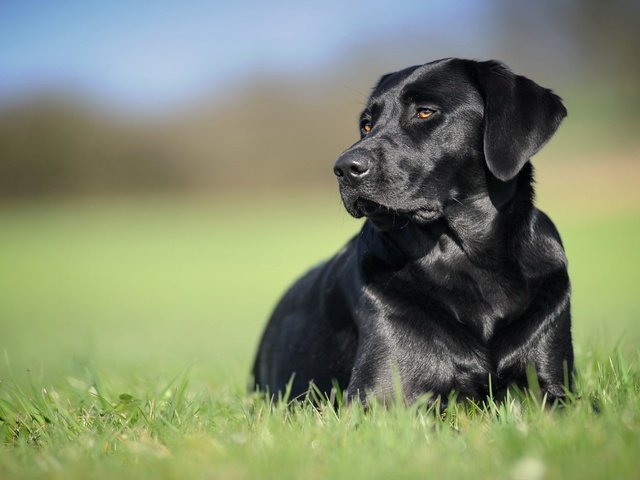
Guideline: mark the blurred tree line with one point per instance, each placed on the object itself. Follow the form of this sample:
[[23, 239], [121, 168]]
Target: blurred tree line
[[264, 137]]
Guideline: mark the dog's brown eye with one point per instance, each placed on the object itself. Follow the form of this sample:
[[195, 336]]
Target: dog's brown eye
[[424, 113], [366, 127]]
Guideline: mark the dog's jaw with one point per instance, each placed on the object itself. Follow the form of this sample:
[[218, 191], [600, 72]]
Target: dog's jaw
[[380, 214]]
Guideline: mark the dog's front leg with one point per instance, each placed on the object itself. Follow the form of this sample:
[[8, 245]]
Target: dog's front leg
[[541, 339], [372, 373], [552, 356]]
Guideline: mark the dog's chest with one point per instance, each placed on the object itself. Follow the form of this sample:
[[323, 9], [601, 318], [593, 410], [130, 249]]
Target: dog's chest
[[450, 290]]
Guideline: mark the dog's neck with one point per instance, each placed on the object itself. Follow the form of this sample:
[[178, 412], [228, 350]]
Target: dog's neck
[[482, 226]]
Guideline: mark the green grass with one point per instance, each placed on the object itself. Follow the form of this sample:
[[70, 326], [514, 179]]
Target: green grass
[[130, 327]]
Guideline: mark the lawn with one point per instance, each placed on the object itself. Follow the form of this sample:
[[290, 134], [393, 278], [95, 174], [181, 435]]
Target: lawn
[[129, 327]]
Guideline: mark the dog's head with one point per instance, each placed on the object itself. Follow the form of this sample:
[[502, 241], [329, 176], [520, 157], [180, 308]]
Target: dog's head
[[438, 133]]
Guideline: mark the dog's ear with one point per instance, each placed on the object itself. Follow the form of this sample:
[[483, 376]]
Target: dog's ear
[[520, 116]]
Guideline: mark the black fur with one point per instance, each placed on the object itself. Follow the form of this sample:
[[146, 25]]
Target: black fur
[[456, 278]]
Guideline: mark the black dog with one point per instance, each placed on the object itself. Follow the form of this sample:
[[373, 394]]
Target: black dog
[[456, 280]]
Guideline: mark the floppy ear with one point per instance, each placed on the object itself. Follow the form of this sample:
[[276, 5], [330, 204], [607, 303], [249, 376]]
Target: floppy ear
[[520, 116]]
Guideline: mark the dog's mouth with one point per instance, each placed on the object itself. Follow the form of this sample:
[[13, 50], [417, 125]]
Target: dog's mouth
[[363, 207]]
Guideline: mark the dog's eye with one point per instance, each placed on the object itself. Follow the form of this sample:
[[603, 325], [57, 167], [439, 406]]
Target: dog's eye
[[424, 113], [365, 126]]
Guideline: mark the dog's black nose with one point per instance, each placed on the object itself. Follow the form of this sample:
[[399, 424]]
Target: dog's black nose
[[352, 166]]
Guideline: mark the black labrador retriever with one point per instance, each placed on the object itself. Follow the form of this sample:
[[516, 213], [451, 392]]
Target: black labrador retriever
[[456, 282]]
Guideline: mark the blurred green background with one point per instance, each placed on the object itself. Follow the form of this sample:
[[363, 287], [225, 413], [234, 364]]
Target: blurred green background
[[165, 170]]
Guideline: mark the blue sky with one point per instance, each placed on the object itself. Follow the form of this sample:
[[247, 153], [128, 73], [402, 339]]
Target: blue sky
[[144, 52]]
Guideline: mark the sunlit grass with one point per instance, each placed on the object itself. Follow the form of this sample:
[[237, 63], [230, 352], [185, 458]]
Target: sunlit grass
[[183, 428]]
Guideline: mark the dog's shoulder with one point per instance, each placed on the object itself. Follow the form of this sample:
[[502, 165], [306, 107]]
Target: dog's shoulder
[[541, 249], [545, 226]]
